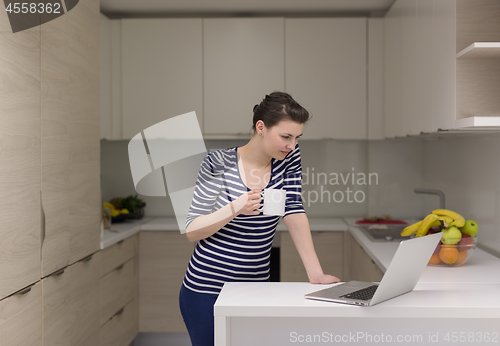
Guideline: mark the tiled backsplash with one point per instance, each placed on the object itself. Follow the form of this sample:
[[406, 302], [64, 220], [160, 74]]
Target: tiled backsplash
[[355, 178]]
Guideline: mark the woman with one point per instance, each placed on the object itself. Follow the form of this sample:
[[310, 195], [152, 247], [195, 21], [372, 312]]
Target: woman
[[234, 237]]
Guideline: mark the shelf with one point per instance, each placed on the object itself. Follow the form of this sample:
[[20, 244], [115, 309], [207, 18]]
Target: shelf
[[477, 122], [481, 50]]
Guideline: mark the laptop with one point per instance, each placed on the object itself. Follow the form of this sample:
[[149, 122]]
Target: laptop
[[401, 277]]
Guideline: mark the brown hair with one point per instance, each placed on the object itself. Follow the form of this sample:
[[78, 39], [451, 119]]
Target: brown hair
[[279, 106]]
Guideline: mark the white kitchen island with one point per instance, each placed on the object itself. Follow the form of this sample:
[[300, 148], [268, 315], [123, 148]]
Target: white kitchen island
[[454, 306]]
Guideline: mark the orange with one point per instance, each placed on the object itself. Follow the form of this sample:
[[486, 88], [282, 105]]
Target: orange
[[448, 255], [435, 259], [462, 256]]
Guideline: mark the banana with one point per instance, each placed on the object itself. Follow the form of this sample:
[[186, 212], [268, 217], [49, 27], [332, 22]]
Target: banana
[[409, 230], [459, 220], [427, 222]]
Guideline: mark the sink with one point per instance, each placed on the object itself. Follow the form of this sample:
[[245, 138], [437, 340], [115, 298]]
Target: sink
[[383, 232]]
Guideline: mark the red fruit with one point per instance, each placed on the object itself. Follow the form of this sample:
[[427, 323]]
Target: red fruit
[[438, 247], [465, 243], [434, 230]]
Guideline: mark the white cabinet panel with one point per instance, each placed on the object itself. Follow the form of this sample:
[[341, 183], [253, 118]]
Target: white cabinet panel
[[243, 60], [161, 71], [326, 73]]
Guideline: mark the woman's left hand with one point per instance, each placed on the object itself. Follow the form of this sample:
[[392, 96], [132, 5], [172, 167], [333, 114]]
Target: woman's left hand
[[324, 279]]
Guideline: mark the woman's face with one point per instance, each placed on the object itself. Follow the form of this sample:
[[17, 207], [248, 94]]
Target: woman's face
[[280, 139]]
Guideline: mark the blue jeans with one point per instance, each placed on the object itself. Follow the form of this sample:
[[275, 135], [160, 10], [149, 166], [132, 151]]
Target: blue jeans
[[197, 310]]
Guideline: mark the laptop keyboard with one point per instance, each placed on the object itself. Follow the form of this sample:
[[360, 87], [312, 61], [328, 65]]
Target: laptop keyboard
[[362, 294]]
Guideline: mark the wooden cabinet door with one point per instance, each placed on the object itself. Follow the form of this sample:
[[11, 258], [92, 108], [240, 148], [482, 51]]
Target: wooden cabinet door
[[19, 157], [20, 322], [56, 308], [55, 102], [243, 60], [163, 260], [325, 61], [83, 130], [363, 268], [329, 249], [161, 71], [84, 301]]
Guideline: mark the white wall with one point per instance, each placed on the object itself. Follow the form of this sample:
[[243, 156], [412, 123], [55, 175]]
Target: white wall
[[467, 168]]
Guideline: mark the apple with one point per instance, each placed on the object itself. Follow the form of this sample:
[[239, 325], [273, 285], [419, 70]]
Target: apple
[[470, 227], [465, 242], [451, 236]]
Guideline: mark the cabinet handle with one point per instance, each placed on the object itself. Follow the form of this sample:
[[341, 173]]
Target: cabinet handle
[[88, 258], [58, 273], [26, 290], [119, 312], [121, 241], [120, 266]]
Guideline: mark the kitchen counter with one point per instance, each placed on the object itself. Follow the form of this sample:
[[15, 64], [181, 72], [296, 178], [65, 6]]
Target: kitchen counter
[[276, 313], [448, 305], [128, 228]]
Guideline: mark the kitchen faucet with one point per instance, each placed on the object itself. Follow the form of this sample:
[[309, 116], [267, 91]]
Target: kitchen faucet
[[433, 192]]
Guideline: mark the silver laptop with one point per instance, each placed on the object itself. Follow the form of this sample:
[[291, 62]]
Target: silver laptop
[[401, 277]]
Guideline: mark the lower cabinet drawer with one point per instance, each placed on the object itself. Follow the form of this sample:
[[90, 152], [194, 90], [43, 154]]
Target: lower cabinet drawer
[[117, 288], [123, 327]]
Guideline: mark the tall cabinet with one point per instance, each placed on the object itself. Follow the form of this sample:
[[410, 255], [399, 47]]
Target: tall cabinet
[[50, 180]]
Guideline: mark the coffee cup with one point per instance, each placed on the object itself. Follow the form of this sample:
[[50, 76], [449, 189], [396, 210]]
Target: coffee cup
[[274, 202]]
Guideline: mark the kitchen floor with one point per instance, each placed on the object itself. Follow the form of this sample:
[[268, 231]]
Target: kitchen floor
[[162, 339]]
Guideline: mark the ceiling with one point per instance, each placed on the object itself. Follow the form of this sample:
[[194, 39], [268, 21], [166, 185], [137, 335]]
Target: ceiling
[[148, 8]]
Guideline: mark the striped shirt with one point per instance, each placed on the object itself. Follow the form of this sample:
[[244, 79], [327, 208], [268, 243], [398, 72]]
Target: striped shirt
[[239, 251]]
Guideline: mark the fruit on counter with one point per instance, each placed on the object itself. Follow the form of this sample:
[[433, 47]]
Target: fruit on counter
[[124, 211], [451, 236], [429, 221], [410, 229], [109, 206], [459, 220], [114, 213], [116, 202], [470, 227], [435, 259], [448, 254], [462, 257], [465, 243]]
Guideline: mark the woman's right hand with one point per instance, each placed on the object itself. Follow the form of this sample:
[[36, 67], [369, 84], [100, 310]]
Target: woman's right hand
[[248, 203]]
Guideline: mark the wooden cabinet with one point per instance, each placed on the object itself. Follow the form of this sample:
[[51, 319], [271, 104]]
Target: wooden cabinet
[[363, 268], [20, 163], [243, 60], [163, 260], [325, 64], [435, 78], [119, 294], [161, 71], [20, 322], [57, 308], [329, 247]]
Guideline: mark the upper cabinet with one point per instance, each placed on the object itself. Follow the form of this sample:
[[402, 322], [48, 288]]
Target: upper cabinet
[[154, 69], [161, 64], [243, 60], [326, 72], [428, 86]]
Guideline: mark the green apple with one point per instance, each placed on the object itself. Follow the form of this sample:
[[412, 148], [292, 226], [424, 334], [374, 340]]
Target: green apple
[[470, 228], [451, 236]]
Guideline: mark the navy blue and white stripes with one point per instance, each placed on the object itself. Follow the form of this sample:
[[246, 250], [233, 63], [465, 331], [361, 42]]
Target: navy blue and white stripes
[[239, 251]]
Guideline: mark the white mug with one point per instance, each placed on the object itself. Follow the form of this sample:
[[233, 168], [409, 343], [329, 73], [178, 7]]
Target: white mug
[[274, 202]]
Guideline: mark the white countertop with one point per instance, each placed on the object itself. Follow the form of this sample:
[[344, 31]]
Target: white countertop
[[428, 300], [481, 267], [128, 228]]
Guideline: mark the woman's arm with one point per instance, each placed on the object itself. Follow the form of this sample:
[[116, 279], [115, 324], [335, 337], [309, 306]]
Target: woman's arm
[[206, 225], [298, 226]]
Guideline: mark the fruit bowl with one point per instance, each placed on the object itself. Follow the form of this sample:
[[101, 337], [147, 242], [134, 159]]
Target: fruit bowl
[[454, 253]]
